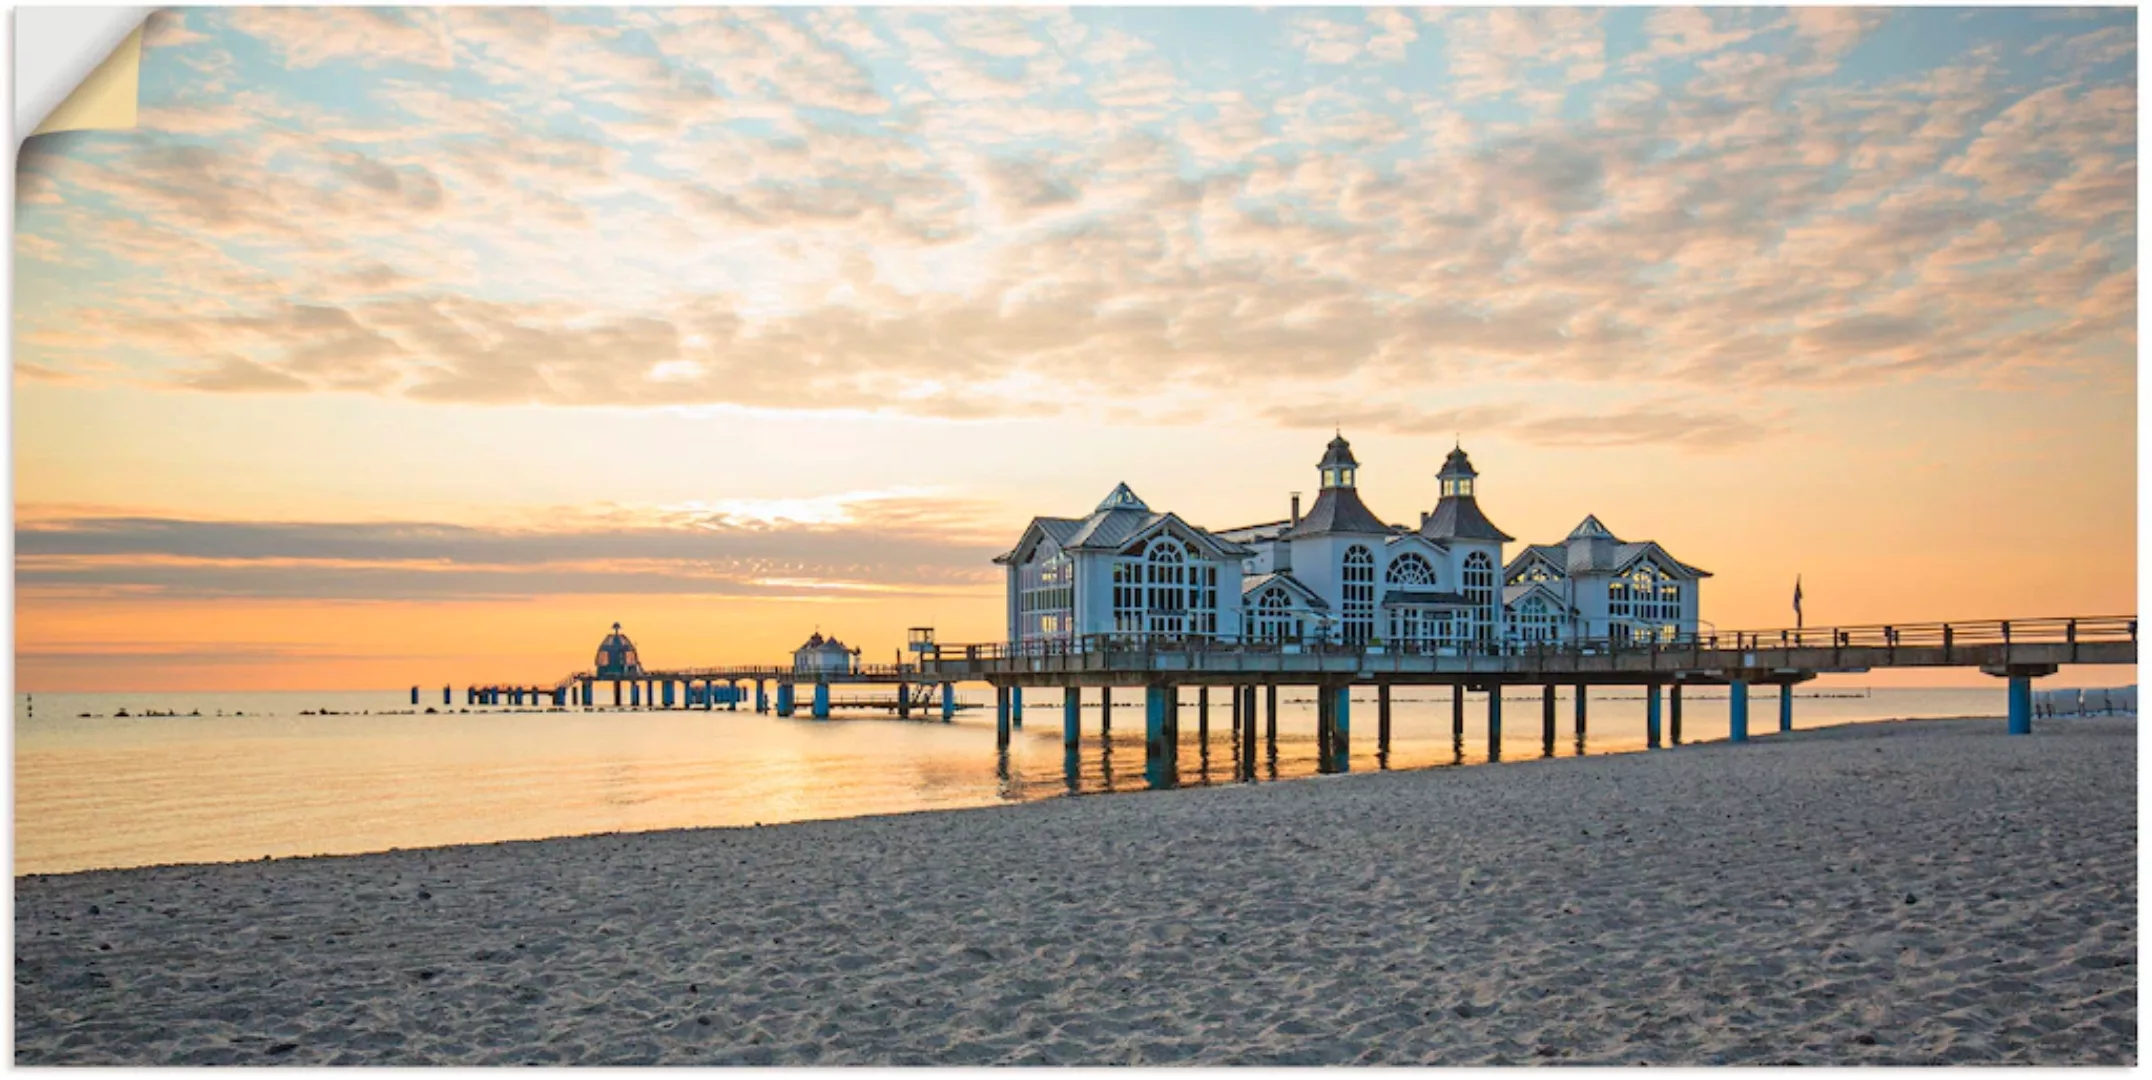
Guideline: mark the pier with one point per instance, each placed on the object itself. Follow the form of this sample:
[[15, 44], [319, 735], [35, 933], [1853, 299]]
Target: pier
[[2016, 650]]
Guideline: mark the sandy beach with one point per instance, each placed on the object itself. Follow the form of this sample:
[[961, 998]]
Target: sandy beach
[[1916, 892]]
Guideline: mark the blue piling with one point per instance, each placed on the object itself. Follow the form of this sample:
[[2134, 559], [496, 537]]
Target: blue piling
[[1001, 716], [414, 695], [635, 695], [2020, 705], [1785, 707], [1494, 723], [445, 699], [1341, 730], [762, 697], [1737, 710], [1016, 706], [590, 690], [665, 691], [821, 701], [1072, 719], [948, 702], [784, 699], [1158, 705], [1651, 717]]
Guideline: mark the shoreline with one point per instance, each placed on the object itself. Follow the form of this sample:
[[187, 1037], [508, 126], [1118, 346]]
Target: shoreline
[[1744, 904]]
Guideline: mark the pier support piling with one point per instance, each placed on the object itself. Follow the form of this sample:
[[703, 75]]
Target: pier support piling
[[1072, 719], [1651, 715], [1457, 713], [1494, 722], [1382, 725], [2020, 697], [1785, 707], [1016, 706], [1158, 702], [948, 702], [1341, 729], [1546, 720], [1001, 717], [1583, 694], [784, 699], [821, 700], [1673, 714], [1105, 712], [1737, 710], [1270, 716], [1203, 719]]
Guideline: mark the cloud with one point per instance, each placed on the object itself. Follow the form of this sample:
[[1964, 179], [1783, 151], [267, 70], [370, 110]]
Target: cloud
[[847, 546], [1682, 427], [971, 214]]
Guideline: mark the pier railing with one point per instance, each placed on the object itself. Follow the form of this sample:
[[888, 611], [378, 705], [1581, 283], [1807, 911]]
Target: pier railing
[[2097, 639]]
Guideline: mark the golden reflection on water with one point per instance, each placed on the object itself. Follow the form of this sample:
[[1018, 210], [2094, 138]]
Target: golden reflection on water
[[101, 791]]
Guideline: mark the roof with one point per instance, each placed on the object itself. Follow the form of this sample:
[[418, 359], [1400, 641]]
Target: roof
[[1120, 518], [1249, 586], [1599, 552], [1122, 497], [1457, 464], [1511, 594], [1242, 534], [1338, 453], [1458, 517], [1590, 526], [1337, 510], [1422, 596]]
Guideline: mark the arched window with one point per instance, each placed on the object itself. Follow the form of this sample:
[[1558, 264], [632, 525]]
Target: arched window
[[1410, 570], [1166, 586], [1359, 594], [1532, 620], [1645, 602], [1479, 593], [1273, 616]]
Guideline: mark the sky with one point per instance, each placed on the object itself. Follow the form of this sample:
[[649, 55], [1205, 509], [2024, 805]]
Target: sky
[[419, 345]]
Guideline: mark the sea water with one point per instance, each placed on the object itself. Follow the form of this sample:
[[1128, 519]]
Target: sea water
[[236, 776]]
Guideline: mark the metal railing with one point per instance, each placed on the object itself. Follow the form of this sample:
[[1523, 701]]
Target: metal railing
[[1946, 635]]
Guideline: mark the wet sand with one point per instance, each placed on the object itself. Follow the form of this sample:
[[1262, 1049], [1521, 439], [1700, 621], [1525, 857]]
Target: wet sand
[[1926, 891]]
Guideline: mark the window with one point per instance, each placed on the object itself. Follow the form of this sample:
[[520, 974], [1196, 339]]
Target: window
[[1359, 594], [1533, 620], [1457, 487], [1273, 619], [1645, 603], [1479, 594], [1166, 592], [1046, 596], [1337, 476], [1165, 587], [1535, 572], [1410, 570], [1127, 597]]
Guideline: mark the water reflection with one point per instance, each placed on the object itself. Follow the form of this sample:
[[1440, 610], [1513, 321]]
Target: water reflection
[[94, 789]]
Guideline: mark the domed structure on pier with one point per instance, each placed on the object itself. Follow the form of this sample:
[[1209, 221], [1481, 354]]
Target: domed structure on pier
[[824, 656], [616, 656]]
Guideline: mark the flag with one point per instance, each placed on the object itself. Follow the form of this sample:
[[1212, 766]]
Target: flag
[[1797, 622]]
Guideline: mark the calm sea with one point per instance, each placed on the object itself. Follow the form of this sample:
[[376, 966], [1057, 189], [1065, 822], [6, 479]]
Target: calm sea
[[243, 775]]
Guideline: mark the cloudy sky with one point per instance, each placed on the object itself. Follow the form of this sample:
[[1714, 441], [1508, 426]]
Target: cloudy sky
[[419, 345]]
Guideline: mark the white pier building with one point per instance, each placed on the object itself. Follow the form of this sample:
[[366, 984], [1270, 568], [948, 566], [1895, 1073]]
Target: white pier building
[[1340, 574]]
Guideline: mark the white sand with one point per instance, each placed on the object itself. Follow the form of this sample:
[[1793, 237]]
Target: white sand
[[1914, 892]]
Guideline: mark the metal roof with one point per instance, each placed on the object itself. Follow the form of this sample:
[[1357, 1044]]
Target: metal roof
[[1249, 586], [1458, 517], [1337, 510]]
